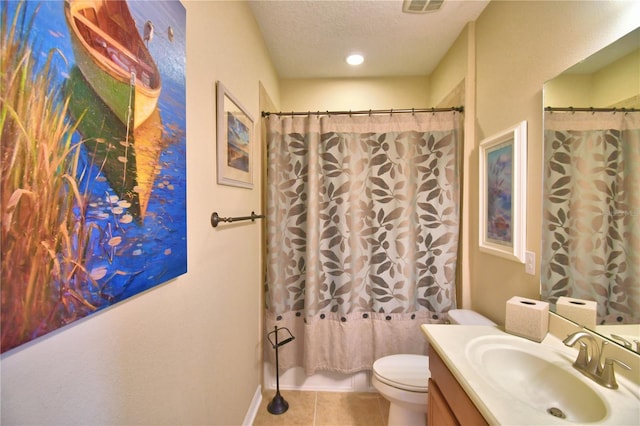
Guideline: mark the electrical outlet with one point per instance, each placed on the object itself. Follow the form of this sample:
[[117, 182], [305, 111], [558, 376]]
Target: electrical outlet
[[530, 262]]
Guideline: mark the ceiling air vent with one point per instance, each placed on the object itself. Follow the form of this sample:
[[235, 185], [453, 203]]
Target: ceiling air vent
[[421, 6]]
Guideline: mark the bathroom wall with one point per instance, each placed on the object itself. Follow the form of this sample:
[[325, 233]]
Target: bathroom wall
[[454, 78], [189, 351], [344, 94], [569, 90], [450, 71], [617, 82], [520, 45]]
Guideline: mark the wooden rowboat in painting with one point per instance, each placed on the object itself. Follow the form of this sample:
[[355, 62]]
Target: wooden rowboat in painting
[[128, 160], [113, 58]]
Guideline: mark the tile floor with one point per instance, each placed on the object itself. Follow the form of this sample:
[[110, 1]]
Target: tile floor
[[325, 409]]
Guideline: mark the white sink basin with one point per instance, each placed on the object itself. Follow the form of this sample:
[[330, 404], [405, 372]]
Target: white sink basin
[[514, 381], [537, 378]]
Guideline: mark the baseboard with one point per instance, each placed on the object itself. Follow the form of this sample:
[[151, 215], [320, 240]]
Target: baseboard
[[250, 417]]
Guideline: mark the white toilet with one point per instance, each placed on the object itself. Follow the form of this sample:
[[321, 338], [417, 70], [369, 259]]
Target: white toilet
[[403, 379]]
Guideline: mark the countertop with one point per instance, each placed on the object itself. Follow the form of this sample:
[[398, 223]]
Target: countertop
[[496, 406]]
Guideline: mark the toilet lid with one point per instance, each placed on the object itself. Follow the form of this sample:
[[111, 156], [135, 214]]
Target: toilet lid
[[404, 371]]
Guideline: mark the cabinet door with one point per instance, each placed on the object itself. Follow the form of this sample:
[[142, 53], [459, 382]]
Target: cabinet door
[[450, 390], [438, 411]]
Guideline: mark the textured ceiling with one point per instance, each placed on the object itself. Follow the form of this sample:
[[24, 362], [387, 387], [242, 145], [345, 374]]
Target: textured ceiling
[[311, 38]]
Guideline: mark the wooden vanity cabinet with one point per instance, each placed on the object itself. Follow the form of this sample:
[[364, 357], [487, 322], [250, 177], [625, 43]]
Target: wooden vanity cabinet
[[439, 413], [449, 404]]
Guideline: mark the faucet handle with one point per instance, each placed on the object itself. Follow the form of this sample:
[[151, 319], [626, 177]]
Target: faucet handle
[[622, 340], [583, 356], [608, 376]]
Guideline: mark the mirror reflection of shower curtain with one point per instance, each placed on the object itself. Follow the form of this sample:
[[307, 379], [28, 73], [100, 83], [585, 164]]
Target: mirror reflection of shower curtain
[[362, 234], [591, 211]]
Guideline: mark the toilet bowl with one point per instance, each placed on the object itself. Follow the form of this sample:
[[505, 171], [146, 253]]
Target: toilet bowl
[[403, 379]]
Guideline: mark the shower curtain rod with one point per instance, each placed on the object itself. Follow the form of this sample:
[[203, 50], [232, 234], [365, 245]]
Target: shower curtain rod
[[589, 109], [365, 112]]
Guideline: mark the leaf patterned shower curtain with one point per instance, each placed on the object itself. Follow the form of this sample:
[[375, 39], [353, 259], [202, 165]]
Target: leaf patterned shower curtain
[[591, 211], [362, 229]]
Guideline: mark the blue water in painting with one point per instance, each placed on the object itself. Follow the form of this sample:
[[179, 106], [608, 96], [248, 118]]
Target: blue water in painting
[[156, 250]]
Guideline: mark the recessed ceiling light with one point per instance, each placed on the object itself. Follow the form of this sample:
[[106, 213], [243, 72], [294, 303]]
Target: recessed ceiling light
[[355, 59]]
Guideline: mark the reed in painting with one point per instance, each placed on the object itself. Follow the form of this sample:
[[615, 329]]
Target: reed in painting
[[46, 239]]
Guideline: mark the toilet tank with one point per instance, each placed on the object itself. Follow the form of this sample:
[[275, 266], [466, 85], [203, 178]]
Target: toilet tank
[[468, 317]]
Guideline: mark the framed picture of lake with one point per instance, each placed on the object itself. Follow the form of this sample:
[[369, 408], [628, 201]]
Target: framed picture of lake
[[503, 171], [235, 141]]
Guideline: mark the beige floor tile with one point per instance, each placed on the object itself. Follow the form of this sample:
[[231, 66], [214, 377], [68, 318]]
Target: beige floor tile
[[384, 406], [300, 413], [349, 409]]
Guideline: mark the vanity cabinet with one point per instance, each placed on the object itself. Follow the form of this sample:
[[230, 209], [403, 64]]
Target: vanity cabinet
[[449, 404]]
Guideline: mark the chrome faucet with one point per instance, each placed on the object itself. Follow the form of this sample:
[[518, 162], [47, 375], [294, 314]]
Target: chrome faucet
[[589, 360]]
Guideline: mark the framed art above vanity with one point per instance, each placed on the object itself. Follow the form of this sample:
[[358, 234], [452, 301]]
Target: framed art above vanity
[[503, 197]]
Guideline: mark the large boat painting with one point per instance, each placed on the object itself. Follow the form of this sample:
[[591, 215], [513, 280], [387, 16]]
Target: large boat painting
[[102, 216]]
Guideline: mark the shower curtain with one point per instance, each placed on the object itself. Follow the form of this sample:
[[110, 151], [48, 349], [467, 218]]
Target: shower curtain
[[591, 211], [362, 234]]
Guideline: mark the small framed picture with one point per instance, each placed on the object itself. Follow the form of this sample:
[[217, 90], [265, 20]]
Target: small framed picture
[[235, 140], [503, 195]]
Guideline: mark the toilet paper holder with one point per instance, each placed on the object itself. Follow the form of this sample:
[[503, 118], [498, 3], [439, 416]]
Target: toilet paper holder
[[277, 344], [278, 405]]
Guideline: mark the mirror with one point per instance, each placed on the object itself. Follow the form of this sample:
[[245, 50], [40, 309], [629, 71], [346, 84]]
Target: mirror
[[608, 79]]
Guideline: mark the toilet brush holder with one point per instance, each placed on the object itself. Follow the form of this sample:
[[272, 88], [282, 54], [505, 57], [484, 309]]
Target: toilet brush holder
[[278, 405]]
